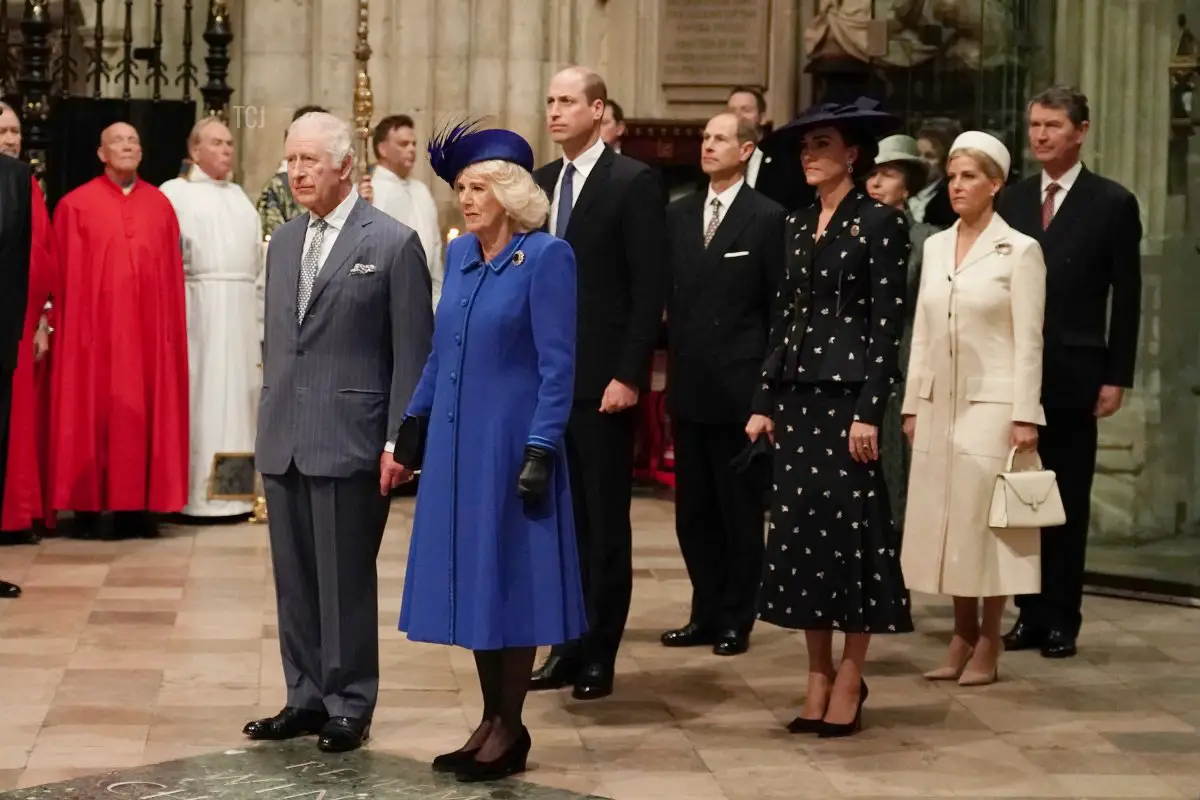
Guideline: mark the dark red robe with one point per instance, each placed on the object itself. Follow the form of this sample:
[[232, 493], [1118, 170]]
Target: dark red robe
[[119, 419], [23, 499]]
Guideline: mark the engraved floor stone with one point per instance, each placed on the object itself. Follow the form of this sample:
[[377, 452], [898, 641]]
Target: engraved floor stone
[[284, 771]]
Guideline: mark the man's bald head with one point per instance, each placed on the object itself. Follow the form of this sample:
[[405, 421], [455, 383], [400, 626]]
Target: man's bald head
[[120, 151], [575, 108], [10, 131]]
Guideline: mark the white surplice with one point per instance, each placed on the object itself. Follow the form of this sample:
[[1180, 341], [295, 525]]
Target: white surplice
[[221, 239], [410, 202]]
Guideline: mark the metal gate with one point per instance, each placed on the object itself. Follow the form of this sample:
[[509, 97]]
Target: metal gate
[[67, 90]]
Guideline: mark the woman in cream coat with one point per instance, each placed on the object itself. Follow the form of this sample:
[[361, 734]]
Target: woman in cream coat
[[973, 393]]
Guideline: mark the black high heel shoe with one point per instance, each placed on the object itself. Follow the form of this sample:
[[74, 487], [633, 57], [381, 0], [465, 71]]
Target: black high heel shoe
[[837, 730], [452, 762], [511, 763]]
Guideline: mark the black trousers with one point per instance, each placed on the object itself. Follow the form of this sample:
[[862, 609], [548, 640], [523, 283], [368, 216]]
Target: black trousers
[[719, 522], [1068, 446], [600, 459], [5, 410]]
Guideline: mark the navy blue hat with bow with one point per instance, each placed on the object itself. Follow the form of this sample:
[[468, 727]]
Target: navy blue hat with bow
[[464, 144], [862, 119]]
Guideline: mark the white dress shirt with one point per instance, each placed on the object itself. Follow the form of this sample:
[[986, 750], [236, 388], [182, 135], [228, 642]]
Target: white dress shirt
[[410, 202], [920, 201], [1064, 183], [726, 199], [584, 163], [336, 220], [752, 168]]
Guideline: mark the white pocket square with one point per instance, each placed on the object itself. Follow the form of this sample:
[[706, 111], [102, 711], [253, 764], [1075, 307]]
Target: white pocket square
[[362, 269], [738, 254]]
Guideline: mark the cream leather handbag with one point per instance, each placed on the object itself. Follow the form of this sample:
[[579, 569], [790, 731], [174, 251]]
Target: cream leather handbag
[[1026, 498]]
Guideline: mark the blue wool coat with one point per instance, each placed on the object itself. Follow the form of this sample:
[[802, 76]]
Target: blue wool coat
[[484, 572]]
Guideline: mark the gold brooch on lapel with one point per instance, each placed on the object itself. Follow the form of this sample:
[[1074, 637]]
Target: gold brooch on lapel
[[518, 258], [1003, 248]]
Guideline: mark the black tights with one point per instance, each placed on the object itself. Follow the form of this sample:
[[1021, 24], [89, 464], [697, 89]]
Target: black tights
[[504, 681]]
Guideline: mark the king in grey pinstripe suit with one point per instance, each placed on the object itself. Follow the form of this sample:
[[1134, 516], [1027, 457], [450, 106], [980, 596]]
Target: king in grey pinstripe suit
[[348, 325]]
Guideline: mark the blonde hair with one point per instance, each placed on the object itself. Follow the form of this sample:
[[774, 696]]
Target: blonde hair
[[522, 199], [987, 165]]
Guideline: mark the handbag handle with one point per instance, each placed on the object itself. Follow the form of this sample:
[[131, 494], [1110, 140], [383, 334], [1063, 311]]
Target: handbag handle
[[1012, 455]]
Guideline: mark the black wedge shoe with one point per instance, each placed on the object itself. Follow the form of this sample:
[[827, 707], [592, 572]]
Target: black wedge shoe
[[838, 730], [511, 763]]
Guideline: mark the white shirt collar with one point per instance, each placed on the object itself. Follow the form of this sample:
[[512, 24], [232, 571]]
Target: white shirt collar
[[587, 159], [1066, 181], [197, 175], [337, 218], [726, 197]]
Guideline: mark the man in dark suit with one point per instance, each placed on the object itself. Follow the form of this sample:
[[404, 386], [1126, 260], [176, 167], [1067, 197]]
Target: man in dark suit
[[608, 207], [771, 171], [1090, 230], [726, 251], [348, 327], [16, 226]]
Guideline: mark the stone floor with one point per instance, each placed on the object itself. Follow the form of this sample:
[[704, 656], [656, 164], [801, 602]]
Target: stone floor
[[127, 654]]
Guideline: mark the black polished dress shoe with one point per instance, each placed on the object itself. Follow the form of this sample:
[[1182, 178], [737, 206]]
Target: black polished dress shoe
[[343, 734], [554, 673], [594, 681], [1023, 636], [690, 635], [731, 643], [9, 590], [1058, 645], [511, 763], [287, 724]]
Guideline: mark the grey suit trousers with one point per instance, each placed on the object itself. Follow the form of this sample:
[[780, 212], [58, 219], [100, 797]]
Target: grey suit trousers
[[325, 536]]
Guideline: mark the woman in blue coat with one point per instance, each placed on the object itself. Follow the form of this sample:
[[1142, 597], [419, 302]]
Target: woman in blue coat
[[492, 565]]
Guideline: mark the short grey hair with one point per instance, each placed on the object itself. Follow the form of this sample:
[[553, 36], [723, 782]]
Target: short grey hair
[[514, 187], [337, 133]]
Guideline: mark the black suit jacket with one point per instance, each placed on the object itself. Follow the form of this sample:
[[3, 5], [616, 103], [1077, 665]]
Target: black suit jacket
[[618, 234], [781, 179], [16, 234], [839, 317], [1093, 255], [719, 307]]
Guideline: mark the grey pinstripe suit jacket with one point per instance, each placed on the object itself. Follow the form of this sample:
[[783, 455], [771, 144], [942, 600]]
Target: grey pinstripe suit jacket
[[336, 387]]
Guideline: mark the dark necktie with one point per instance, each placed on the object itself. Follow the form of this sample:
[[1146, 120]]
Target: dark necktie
[[1048, 205], [711, 230], [566, 198]]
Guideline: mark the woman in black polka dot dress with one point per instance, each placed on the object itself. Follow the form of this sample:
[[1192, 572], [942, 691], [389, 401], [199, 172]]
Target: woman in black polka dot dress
[[832, 561]]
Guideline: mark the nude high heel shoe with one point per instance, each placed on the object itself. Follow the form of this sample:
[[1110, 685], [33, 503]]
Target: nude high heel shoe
[[950, 672], [969, 678]]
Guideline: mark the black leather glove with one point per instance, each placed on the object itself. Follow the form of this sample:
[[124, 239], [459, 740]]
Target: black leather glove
[[410, 442], [534, 480]]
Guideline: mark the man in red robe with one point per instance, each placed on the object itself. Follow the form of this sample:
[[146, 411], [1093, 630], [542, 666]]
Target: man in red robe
[[22, 503], [119, 422]]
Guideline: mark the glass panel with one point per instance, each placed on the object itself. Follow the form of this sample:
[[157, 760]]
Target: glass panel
[[977, 62]]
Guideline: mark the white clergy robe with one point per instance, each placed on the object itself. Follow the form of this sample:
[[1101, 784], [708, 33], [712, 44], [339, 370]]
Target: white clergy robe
[[410, 202], [222, 243]]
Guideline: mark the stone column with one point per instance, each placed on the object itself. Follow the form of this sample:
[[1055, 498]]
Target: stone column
[[1117, 53]]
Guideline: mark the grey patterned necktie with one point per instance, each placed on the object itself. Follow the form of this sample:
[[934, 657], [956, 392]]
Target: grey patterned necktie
[[308, 269], [711, 231]]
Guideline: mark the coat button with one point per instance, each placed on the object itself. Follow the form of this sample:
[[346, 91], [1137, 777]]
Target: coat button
[[463, 302], [454, 377], [458, 338], [450, 416]]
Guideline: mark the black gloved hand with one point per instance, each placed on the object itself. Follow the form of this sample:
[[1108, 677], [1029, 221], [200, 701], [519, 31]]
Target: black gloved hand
[[534, 481], [410, 442]]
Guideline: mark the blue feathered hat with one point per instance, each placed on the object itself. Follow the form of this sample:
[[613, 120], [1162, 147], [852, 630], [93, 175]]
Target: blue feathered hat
[[458, 147]]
